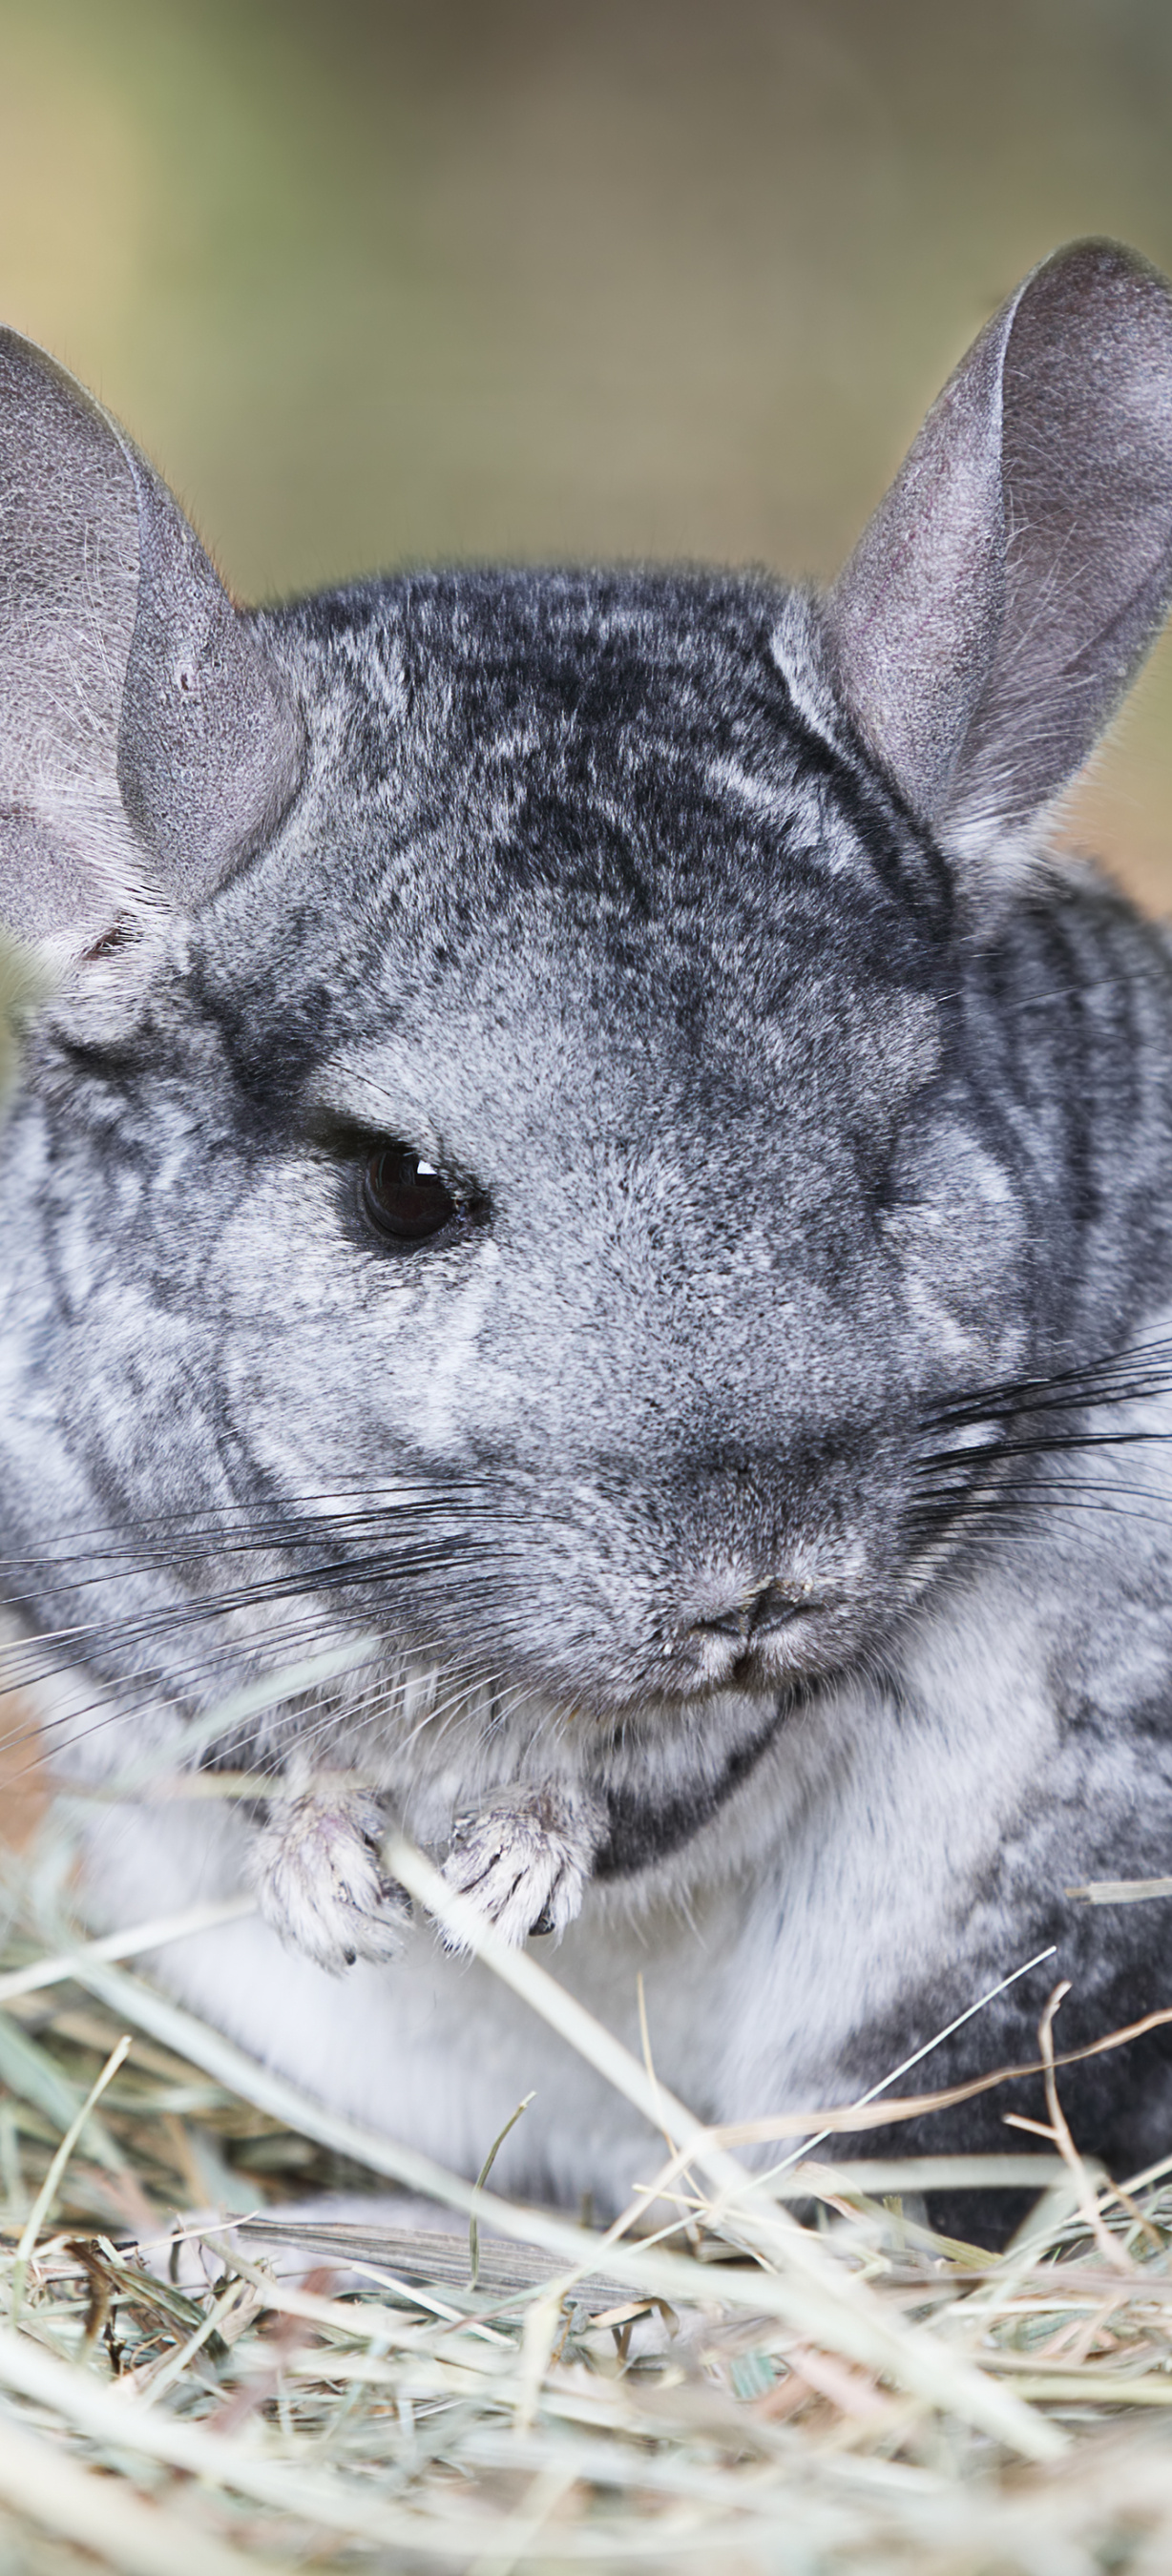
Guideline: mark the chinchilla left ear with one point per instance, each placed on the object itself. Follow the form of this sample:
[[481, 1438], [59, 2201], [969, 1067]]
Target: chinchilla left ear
[[997, 605], [147, 742]]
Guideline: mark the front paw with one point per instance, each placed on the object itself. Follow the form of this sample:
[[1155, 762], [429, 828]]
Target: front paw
[[316, 1869], [524, 1861]]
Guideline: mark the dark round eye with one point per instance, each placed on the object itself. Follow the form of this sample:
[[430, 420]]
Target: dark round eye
[[403, 1196]]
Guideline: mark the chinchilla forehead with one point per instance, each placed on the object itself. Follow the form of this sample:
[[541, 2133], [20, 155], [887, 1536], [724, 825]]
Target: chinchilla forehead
[[581, 812]]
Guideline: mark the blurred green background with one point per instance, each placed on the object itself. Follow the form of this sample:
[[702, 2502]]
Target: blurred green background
[[383, 281]]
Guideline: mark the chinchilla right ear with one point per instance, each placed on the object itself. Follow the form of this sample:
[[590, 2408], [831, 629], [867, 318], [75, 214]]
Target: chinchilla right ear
[[997, 605], [147, 742]]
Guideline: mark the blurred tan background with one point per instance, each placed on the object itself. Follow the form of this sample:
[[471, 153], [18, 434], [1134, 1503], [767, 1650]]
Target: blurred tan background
[[381, 280]]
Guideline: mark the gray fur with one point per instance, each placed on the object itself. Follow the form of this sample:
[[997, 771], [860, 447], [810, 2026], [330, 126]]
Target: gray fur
[[759, 1487]]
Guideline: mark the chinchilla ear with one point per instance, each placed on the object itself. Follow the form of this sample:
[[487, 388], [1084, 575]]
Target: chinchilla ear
[[147, 743], [998, 604]]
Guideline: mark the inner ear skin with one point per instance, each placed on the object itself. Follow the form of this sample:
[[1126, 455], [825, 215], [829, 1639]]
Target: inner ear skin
[[996, 608], [150, 743]]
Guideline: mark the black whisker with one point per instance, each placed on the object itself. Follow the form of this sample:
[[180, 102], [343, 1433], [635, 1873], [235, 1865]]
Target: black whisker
[[1135, 1376]]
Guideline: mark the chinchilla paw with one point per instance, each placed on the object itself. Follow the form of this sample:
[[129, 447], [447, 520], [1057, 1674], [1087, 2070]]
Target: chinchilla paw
[[524, 1860], [317, 1872]]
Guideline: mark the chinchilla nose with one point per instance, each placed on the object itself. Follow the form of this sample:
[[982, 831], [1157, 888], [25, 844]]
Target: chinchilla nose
[[751, 1613]]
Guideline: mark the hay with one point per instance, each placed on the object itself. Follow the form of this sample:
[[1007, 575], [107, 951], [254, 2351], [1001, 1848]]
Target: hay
[[192, 2385]]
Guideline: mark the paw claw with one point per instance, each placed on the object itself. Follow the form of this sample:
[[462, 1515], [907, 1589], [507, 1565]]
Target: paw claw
[[317, 1871], [523, 1861]]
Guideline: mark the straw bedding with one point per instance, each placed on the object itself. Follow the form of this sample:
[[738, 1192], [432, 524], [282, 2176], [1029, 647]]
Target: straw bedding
[[194, 2382]]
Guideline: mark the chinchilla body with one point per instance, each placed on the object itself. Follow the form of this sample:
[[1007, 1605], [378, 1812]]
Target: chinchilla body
[[583, 1139]]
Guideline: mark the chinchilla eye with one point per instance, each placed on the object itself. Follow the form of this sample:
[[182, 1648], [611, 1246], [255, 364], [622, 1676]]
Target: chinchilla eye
[[403, 1196]]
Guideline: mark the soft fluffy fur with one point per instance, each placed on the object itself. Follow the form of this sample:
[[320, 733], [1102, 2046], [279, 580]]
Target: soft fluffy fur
[[758, 1489]]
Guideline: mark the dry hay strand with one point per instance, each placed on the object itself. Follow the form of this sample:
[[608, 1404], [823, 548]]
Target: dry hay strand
[[192, 2384]]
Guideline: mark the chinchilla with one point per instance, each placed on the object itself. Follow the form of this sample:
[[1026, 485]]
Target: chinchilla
[[584, 1134]]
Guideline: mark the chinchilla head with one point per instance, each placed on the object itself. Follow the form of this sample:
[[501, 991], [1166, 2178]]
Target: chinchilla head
[[563, 1092]]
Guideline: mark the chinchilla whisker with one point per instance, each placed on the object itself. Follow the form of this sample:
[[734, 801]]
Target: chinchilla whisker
[[191, 1552], [268, 1541], [1124, 1379], [51, 1649], [54, 1652], [988, 1527], [1070, 1444], [961, 1461], [211, 1537], [372, 1705], [992, 1510], [434, 1720], [287, 1640], [368, 1500], [304, 1581], [1100, 1490], [440, 1721]]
